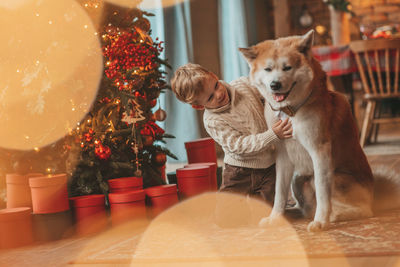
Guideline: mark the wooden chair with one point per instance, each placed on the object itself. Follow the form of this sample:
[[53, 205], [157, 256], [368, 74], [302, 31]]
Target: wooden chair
[[378, 66]]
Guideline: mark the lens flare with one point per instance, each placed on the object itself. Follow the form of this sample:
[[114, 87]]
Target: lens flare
[[51, 65], [145, 4]]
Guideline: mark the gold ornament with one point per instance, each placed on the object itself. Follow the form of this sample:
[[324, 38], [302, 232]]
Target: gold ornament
[[160, 114], [138, 173], [143, 24]]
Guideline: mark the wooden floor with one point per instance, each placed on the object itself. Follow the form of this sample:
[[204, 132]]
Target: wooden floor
[[66, 252]]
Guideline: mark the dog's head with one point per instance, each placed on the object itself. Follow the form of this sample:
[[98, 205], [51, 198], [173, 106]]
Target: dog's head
[[281, 69]]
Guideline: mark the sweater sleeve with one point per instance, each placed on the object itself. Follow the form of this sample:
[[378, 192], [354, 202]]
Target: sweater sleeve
[[236, 142]]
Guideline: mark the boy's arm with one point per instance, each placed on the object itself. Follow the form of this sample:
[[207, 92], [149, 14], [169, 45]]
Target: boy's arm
[[236, 142]]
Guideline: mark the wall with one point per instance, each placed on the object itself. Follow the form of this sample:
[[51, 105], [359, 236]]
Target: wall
[[378, 12], [204, 15], [367, 12]]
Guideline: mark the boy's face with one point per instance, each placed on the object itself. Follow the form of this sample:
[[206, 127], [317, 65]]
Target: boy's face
[[214, 94]]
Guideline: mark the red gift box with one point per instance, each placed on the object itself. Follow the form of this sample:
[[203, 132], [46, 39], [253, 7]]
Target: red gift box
[[161, 197], [89, 213], [125, 184], [193, 181], [127, 206], [201, 150]]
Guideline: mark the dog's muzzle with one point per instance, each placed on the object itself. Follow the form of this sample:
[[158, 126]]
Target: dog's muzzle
[[279, 97]]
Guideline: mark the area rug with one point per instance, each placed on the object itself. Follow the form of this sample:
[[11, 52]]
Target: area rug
[[188, 233]]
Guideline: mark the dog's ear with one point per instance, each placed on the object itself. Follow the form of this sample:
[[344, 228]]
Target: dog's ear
[[306, 42], [249, 53]]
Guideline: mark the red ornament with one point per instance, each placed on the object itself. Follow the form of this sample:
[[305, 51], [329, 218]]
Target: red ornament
[[153, 103], [102, 152], [89, 135], [147, 140], [159, 158], [105, 100], [151, 128]]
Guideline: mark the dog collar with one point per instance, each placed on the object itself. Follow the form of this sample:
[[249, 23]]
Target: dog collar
[[288, 110]]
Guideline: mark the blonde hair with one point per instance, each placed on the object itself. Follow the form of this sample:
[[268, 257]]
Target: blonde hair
[[187, 82]]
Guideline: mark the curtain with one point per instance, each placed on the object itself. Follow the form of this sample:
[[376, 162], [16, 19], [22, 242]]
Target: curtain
[[233, 34], [172, 25]]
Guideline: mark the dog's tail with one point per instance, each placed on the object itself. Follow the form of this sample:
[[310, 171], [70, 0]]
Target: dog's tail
[[386, 189]]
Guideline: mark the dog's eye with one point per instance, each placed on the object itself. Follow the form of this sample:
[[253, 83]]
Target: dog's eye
[[268, 69], [286, 68]]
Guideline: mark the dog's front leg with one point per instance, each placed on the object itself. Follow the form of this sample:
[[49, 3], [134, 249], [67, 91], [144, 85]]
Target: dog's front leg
[[322, 162], [284, 173]]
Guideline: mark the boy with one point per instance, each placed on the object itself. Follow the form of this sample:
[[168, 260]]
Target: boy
[[234, 118]]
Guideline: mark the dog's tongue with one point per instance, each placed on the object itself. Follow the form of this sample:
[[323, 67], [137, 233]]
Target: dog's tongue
[[279, 97]]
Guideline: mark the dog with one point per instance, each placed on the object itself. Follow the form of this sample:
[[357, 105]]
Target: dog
[[323, 164]]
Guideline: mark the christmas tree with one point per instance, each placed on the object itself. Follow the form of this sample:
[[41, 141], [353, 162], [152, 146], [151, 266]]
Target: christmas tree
[[120, 137]]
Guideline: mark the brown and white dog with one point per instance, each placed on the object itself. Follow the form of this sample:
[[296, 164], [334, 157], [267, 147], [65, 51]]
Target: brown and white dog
[[323, 163]]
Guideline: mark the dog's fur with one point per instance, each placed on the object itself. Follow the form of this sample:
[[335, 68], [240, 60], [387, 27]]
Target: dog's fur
[[323, 162]]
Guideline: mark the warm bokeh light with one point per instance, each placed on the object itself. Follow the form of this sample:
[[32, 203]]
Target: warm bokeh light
[[124, 3], [12, 4], [94, 9], [216, 227], [145, 4], [190, 234], [51, 65], [150, 4], [320, 29]]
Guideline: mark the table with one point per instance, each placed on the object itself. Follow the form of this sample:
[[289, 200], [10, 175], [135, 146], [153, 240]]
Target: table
[[335, 60], [339, 63]]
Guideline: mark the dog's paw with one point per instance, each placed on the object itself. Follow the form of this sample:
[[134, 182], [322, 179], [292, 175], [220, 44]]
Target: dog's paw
[[271, 221], [316, 226], [264, 222]]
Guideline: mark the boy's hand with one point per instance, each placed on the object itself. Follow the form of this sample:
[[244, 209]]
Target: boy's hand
[[283, 129]]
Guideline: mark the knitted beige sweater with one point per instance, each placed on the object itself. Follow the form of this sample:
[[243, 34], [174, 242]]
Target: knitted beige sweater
[[240, 127]]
